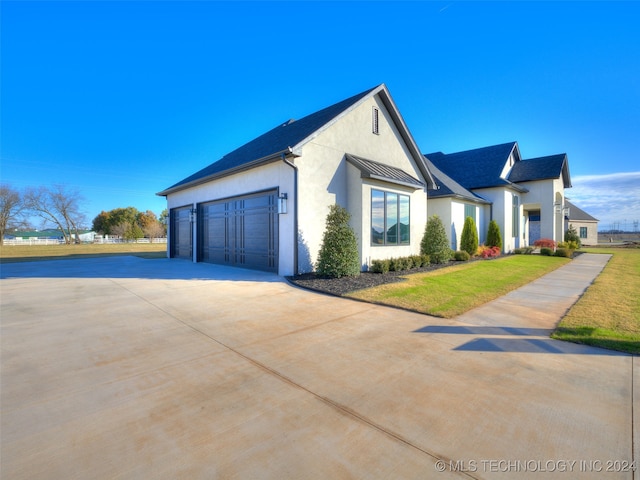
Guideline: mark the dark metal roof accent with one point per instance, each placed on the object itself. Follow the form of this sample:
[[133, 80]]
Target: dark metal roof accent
[[385, 173]]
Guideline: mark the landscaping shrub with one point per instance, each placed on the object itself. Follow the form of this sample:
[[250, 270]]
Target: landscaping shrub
[[485, 251], [417, 261], [564, 252], [469, 238], [546, 251], [380, 266], [571, 235], [571, 245], [546, 243], [461, 256], [434, 242], [523, 251], [494, 238], [426, 260], [338, 255]]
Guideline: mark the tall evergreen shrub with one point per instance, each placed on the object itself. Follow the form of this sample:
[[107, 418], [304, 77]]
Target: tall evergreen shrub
[[434, 242], [338, 255], [494, 238], [571, 235], [469, 238]]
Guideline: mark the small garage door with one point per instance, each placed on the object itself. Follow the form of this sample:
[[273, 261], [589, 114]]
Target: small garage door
[[181, 233], [240, 231]]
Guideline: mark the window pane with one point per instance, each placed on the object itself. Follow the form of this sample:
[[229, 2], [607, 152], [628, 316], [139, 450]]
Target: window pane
[[392, 218], [377, 217], [404, 219]]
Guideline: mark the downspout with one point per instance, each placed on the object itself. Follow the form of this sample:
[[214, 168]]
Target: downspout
[[295, 209]]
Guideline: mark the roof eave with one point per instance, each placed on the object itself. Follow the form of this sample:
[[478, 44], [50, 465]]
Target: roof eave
[[231, 171]]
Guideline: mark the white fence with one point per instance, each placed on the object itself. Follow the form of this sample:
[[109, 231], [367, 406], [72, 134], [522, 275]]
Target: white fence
[[55, 241]]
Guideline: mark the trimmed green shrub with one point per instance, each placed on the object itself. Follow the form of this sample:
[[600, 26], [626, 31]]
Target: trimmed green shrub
[[417, 261], [571, 235], [426, 259], [469, 238], [434, 242], [494, 238], [571, 245], [338, 255], [564, 252], [461, 256], [380, 266], [398, 264], [546, 251]]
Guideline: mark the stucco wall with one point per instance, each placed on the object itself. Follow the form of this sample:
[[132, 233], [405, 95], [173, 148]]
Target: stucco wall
[[326, 178]]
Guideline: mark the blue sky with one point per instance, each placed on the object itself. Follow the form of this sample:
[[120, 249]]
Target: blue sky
[[121, 99]]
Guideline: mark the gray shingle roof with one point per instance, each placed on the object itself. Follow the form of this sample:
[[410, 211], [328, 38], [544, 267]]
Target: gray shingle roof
[[380, 171], [448, 187], [272, 143], [541, 168], [576, 214], [477, 168]]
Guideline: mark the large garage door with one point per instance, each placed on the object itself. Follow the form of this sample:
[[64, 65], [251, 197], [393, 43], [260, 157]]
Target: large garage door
[[240, 231], [181, 233]]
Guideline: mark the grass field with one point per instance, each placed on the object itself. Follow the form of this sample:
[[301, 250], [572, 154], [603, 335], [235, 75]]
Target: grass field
[[451, 291], [608, 314], [31, 253]]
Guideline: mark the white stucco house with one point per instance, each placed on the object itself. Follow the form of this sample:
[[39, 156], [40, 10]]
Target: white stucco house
[[525, 197], [264, 205]]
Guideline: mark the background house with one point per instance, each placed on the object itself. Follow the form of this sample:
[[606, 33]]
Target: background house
[[264, 205], [525, 197], [585, 224]]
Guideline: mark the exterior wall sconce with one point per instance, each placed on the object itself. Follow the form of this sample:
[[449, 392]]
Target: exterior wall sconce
[[560, 209], [193, 215], [282, 203]]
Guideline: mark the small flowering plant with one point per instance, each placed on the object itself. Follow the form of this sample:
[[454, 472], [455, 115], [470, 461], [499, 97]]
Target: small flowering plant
[[545, 243], [488, 252]]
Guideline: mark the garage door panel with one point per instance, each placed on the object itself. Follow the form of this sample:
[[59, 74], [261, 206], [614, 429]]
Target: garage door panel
[[241, 231], [181, 233]]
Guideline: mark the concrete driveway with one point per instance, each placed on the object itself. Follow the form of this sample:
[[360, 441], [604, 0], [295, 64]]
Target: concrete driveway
[[130, 368]]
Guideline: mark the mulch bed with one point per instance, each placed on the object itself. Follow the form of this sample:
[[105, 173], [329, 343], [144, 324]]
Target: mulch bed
[[343, 285]]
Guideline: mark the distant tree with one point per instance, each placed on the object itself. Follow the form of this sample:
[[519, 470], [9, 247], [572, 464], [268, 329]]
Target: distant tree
[[494, 238], [57, 206], [434, 242], [164, 218], [106, 222], [338, 255], [469, 238], [11, 206], [154, 230]]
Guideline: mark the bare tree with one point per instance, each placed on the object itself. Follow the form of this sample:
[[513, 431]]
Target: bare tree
[[58, 206], [10, 208]]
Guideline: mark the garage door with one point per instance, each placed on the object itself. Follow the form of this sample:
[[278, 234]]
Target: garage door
[[181, 233], [240, 231]]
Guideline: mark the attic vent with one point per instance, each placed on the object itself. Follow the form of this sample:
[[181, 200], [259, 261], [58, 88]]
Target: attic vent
[[374, 121]]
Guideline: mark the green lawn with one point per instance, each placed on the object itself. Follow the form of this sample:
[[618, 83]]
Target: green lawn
[[31, 253], [608, 314], [451, 291]]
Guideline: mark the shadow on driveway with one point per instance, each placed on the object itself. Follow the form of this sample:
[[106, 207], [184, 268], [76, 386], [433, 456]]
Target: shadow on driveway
[[127, 266]]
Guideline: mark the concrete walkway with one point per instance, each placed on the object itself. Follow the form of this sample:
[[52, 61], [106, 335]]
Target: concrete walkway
[[131, 368]]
